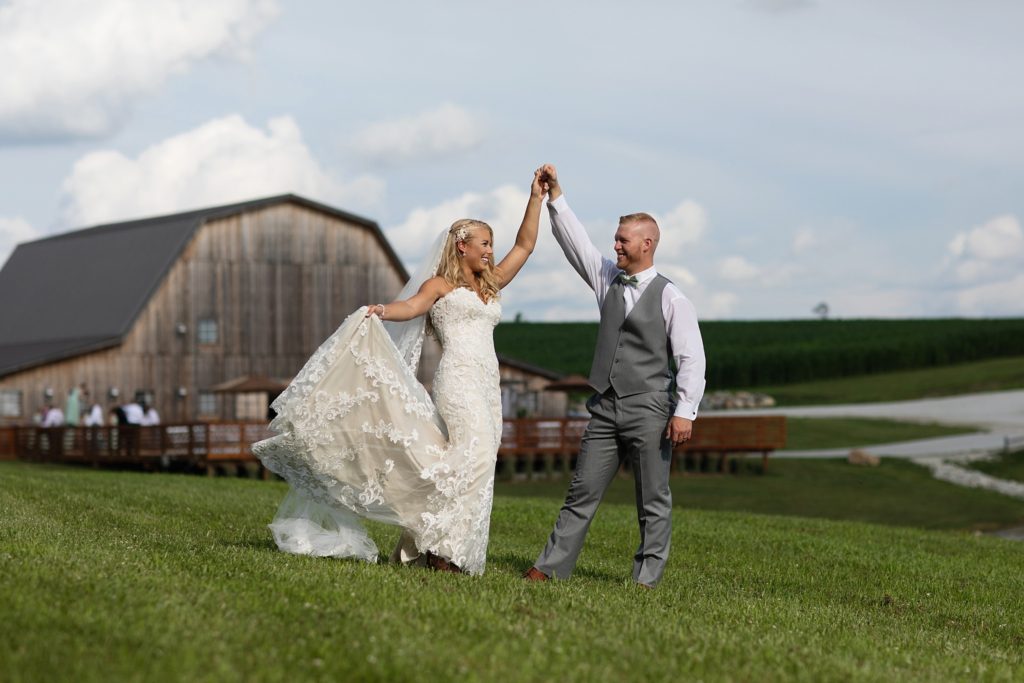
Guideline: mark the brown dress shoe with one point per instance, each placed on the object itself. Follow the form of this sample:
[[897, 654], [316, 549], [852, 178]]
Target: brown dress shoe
[[440, 564], [534, 574]]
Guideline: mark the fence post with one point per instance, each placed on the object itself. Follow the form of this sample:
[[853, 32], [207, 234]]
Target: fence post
[[206, 455]]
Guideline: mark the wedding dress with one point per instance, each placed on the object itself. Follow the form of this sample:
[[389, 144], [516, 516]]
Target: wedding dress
[[359, 437]]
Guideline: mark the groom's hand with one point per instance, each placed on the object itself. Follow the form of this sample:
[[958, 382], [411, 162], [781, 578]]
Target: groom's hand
[[679, 430], [549, 175]]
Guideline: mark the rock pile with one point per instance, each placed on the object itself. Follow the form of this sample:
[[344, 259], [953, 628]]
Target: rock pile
[[732, 400]]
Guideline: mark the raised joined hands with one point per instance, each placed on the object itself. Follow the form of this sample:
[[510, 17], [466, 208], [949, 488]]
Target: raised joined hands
[[549, 179]]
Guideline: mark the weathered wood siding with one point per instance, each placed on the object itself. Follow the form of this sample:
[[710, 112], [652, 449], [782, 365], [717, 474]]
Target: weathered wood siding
[[277, 281]]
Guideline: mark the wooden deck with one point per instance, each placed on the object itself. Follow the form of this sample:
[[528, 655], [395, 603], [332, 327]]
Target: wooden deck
[[529, 447]]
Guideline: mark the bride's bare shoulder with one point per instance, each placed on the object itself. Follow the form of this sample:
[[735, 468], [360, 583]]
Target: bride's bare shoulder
[[436, 286]]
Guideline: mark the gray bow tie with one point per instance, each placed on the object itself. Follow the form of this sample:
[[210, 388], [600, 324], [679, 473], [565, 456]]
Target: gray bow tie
[[627, 279]]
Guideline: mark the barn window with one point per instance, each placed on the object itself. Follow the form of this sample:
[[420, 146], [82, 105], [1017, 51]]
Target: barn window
[[207, 403], [10, 403], [207, 331], [251, 406]]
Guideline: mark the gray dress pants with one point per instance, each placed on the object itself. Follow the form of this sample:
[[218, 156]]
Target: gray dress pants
[[630, 428]]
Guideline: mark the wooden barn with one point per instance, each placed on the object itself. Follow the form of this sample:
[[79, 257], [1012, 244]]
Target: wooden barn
[[206, 313], [524, 390]]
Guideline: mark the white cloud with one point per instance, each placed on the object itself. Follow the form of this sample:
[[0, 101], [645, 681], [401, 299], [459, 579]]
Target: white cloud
[[986, 265], [685, 224], [682, 277], [430, 135], [718, 305], [14, 231], [501, 208], [737, 268], [993, 299], [682, 227], [73, 69], [997, 240], [221, 161], [780, 274], [804, 239], [990, 252]]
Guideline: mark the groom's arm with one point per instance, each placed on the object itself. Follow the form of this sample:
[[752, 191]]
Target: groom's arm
[[687, 350], [581, 253], [570, 234]]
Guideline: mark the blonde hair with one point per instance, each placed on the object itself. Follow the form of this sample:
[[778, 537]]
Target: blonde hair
[[450, 267], [640, 217]]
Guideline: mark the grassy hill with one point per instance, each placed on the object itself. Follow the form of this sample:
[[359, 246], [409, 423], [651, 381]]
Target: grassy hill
[[154, 577], [998, 374], [1005, 466], [764, 353]]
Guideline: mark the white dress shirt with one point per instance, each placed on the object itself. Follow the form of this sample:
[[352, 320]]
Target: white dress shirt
[[150, 418], [132, 413], [95, 416], [680, 315]]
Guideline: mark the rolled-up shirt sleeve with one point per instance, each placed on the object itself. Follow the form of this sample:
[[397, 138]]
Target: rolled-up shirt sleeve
[[687, 350]]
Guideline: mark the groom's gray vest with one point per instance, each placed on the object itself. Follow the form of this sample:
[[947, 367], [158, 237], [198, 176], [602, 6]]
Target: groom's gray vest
[[632, 353]]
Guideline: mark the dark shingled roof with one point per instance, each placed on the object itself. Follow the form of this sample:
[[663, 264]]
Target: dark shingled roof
[[529, 367], [81, 291]]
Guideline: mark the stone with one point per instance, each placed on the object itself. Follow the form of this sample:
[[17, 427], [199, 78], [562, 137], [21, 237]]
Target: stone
[[859, 457]]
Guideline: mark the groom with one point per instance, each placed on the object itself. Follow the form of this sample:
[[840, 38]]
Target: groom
[[642, 407]]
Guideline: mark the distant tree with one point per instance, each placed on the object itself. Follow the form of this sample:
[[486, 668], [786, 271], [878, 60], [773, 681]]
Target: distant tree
[[821, 310]]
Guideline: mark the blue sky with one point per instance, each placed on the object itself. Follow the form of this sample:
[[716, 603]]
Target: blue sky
[[866, 154]]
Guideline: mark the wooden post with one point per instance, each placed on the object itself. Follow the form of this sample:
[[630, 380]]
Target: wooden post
[[206, 455], [165, 459]]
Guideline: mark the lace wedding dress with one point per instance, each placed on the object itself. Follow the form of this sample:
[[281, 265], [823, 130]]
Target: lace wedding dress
[[359, 437]]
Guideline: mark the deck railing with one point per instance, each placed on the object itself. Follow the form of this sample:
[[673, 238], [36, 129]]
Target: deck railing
[[533, 447]]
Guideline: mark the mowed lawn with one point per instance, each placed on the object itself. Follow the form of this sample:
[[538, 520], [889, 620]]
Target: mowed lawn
[[897, 493], [804, 433], [127, 576], [999, 374], [1006, 466]]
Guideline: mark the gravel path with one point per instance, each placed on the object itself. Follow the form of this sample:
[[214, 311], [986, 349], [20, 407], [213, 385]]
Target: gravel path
[[992, 411]]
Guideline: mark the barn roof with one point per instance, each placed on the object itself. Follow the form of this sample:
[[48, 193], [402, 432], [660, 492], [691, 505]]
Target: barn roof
[[81, 291], [529, 368]]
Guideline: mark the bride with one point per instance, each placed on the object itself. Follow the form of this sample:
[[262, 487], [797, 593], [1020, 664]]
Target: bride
[[359, 437]]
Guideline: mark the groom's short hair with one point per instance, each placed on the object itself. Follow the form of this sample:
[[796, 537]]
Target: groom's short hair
[[638, 218]]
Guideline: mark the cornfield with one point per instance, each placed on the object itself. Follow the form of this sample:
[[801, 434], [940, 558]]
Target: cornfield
[[761, 353]]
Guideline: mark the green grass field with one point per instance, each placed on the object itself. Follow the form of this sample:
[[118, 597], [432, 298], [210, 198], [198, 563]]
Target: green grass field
[[804, 433], [1007, 466], [124, 576], [897, 493], [991, 375]]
